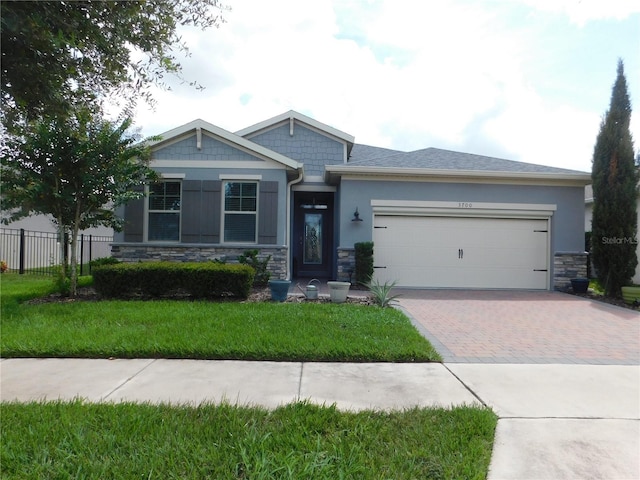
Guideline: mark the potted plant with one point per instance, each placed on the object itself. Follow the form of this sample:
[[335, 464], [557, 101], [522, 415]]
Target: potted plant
[[338, 291], [580, 285], [279, 289], [631, 294]]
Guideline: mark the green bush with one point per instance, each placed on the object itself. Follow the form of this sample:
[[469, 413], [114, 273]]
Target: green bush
[[158, 279], [587, 248], [103, 261], [364, 262], [262, 275]]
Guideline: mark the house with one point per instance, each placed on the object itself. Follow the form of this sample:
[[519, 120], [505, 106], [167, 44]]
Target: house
[[305, 193], [588, 216], [45, 224]]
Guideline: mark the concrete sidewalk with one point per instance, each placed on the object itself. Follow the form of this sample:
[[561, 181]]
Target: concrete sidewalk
[[556, 421], [351, 386]]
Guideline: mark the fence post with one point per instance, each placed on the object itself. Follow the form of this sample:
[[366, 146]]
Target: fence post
[[21, 254], [90, 256], [65, 251], [81, 252]]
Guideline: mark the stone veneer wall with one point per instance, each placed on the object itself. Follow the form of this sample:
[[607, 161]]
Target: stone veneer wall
[[346, 265], [190, 253], [568, 265]]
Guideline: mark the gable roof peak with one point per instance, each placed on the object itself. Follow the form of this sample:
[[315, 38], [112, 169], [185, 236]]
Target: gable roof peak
[[294, 115], [195, 127]]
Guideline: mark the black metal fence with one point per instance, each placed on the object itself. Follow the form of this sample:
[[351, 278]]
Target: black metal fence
[[41, 252]]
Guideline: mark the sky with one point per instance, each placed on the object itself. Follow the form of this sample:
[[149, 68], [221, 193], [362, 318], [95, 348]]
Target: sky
[[526, 80]]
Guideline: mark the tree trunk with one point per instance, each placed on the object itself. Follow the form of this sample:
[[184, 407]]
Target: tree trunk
[[62, 252], [73, 289]]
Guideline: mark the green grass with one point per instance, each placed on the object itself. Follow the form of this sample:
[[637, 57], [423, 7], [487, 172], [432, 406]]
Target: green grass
[[16, 288], [205, 330], [297, 441]]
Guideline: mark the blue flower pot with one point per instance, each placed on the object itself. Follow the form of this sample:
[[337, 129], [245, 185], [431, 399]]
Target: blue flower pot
[[279, 289], [580, 285]]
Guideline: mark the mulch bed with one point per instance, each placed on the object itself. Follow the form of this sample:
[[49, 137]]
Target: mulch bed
[[619, 302], [261, 294], [88, 294]]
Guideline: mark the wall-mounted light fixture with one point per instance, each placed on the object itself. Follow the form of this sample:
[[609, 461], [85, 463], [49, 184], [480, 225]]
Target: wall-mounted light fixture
[[356, 216]]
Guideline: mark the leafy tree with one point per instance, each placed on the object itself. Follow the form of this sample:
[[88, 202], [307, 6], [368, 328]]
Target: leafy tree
[[614, 175], [55, 52], [78, 169]]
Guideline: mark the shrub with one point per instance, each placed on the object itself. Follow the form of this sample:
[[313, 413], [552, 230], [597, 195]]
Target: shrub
[[262, 275], [364, 262], [3, 266], [382, 293], [103, 261], [157, 279]]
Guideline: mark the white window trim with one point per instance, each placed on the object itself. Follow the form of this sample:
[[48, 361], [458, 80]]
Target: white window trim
[[462, 209], [173, 176], [147, 211], [238, 179]]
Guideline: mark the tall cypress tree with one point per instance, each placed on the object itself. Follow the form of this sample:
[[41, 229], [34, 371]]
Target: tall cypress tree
[[614, 176]]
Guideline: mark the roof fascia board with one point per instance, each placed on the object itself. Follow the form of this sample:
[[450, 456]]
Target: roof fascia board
[[225, 136], [466, 176]]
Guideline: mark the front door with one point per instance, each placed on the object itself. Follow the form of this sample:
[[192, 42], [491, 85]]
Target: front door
[[313, 234]]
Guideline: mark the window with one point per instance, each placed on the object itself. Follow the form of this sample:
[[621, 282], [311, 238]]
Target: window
[[164, 211], [240, 207]]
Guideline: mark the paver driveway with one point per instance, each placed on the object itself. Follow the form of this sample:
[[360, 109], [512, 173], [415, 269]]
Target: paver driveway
[[524, 327]]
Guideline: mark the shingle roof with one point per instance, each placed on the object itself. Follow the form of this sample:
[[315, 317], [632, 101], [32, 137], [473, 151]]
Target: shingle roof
[[366, 152], [438, 159]]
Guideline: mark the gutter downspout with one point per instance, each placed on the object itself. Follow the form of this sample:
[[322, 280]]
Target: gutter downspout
[[287, 239]]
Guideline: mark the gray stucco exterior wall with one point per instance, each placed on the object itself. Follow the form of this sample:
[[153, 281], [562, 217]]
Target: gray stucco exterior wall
[[567, 222]]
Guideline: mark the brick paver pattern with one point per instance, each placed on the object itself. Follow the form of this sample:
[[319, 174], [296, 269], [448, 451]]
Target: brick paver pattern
[[524, 327]]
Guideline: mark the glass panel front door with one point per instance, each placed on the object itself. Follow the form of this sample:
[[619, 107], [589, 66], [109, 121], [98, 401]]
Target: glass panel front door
[[312, 249], [312, 235]]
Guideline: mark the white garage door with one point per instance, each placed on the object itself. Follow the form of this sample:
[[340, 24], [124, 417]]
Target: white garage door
[[455, 252]]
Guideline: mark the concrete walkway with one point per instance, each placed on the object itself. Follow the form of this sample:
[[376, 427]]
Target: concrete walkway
[[556, 421]]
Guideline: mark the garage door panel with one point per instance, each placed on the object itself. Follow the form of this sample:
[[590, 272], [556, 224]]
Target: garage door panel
[[461, 252]]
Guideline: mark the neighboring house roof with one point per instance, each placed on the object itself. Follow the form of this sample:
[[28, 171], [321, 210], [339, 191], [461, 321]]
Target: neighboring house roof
[[435, 162], [292, 115], [226, 136]]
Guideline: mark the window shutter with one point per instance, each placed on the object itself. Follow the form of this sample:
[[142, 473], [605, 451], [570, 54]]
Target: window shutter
[[210, 211], [134, 218], [268, 213], [191, 211]]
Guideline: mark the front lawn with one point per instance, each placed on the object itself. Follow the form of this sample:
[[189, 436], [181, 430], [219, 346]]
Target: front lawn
[[296, 441], [203, 330]]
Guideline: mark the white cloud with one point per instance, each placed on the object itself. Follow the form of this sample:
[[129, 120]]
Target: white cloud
[[402, 74], [542, 133], [580, 12]]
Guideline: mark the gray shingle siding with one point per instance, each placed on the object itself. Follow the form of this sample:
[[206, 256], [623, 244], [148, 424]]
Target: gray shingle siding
[[306, 146], [212, 149]]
